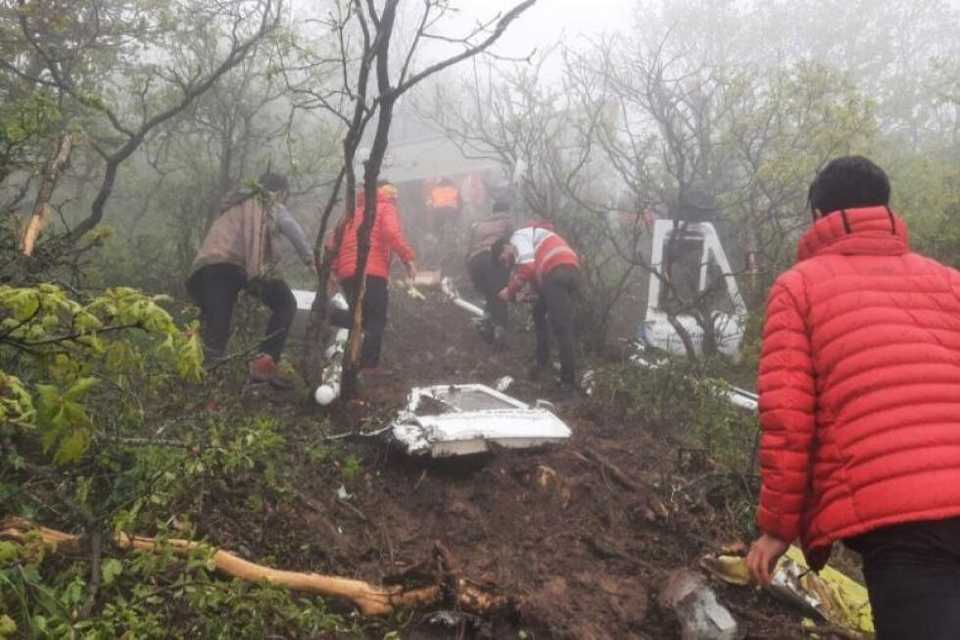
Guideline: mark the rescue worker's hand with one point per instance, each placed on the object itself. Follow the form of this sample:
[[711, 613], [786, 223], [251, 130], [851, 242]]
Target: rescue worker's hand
[[763, 556], [411, 271], [504, 295]]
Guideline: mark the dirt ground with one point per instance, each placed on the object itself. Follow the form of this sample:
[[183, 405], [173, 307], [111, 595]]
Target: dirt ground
[[580, 553]]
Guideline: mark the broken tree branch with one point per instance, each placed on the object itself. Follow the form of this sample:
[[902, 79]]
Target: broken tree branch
[[48, 182], [371, 600]]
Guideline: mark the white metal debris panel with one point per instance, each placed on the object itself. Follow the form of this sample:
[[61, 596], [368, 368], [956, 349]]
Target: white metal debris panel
[[304, 298], [454, 420]]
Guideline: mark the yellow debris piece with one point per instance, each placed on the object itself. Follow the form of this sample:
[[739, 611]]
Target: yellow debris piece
[[845, 601], [837, 598], [730, 569], [412, 291]]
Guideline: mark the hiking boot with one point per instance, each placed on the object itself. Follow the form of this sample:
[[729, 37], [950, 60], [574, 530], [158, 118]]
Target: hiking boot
[[264, 369]]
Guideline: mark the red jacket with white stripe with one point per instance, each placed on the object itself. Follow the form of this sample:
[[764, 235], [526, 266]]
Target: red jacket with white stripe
[[859, 385], [539, 251], [385, 239]]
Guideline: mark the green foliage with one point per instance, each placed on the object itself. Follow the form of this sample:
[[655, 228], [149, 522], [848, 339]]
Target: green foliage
[[7, 626], [926, 192], [777, 133], [159, 594], [73, 356], [16, 403], [154, 595], [351, 467], [676, 400], [28, 119]]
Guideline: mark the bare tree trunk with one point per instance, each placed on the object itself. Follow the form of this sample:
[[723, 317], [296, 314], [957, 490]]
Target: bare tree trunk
[[377, 31], [48, 182], [371, 173], [317, 324]]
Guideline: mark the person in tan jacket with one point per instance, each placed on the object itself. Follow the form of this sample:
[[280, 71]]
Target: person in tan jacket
[[238, 253]]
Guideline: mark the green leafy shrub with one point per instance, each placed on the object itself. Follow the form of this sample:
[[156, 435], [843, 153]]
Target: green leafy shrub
[[69, 368], [676, 400]]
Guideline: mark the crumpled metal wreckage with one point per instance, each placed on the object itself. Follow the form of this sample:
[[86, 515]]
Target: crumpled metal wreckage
[[829, 594], [451, 420], [454, 420]]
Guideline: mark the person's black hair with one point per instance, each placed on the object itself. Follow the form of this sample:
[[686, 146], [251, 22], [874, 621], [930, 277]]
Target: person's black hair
[[849, 182], [274, 182], [501, 206], [497, 248]]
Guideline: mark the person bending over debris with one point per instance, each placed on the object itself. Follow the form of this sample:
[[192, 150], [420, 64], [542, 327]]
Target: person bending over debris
[[540, 257], [386, 237], [488, 275], [237, 253], [859, 385]]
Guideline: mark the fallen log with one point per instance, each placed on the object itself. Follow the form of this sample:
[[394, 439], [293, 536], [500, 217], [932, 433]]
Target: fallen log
[[371, 600]]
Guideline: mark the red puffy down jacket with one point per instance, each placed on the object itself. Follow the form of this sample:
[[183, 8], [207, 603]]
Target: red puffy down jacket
[[859, 385], [387, 237]]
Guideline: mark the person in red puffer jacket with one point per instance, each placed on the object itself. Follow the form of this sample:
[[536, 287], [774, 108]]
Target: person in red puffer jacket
[[386, 238], [859, 384]]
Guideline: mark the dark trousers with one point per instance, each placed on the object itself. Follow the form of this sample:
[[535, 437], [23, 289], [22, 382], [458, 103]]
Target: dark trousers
[[557, 304], [488, 278], [375, 302], [443, 223], [214, 288], [913, 576]]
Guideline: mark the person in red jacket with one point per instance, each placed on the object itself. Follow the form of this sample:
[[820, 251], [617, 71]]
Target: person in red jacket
[[859, 384], [386, 238], [539, 257]]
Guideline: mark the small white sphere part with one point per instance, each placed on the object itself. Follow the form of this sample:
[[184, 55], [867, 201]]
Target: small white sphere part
[[325, 394]]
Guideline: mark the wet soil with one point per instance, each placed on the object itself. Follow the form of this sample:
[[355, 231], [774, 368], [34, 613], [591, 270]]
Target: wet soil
[[580, 547]]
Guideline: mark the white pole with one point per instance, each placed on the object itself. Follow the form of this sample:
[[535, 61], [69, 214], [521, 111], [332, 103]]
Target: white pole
[[450, 290], [329, 389]]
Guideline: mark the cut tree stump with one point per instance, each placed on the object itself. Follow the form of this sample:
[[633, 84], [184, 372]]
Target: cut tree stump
[[371, 600]]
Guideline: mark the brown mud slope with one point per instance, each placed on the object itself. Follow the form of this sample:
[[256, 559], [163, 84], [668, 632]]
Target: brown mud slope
[[581, 548]]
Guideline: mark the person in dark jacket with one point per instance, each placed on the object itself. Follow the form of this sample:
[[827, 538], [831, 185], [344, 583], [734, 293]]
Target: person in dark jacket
[[238, 253], [487, 274], [859, 387]]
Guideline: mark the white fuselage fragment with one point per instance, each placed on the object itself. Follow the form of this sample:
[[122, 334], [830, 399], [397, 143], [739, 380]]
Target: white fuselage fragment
[[450, 290], [729, 324], [329, 388], [468, 419]]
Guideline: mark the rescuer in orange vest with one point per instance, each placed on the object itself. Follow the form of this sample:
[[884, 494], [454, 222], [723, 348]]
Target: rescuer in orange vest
[[444, 205]]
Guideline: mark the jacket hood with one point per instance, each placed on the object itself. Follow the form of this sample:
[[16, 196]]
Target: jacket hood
[[870, 231], [386, 193]]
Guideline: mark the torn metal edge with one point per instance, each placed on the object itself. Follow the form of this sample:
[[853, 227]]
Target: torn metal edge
[[461, 432]]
